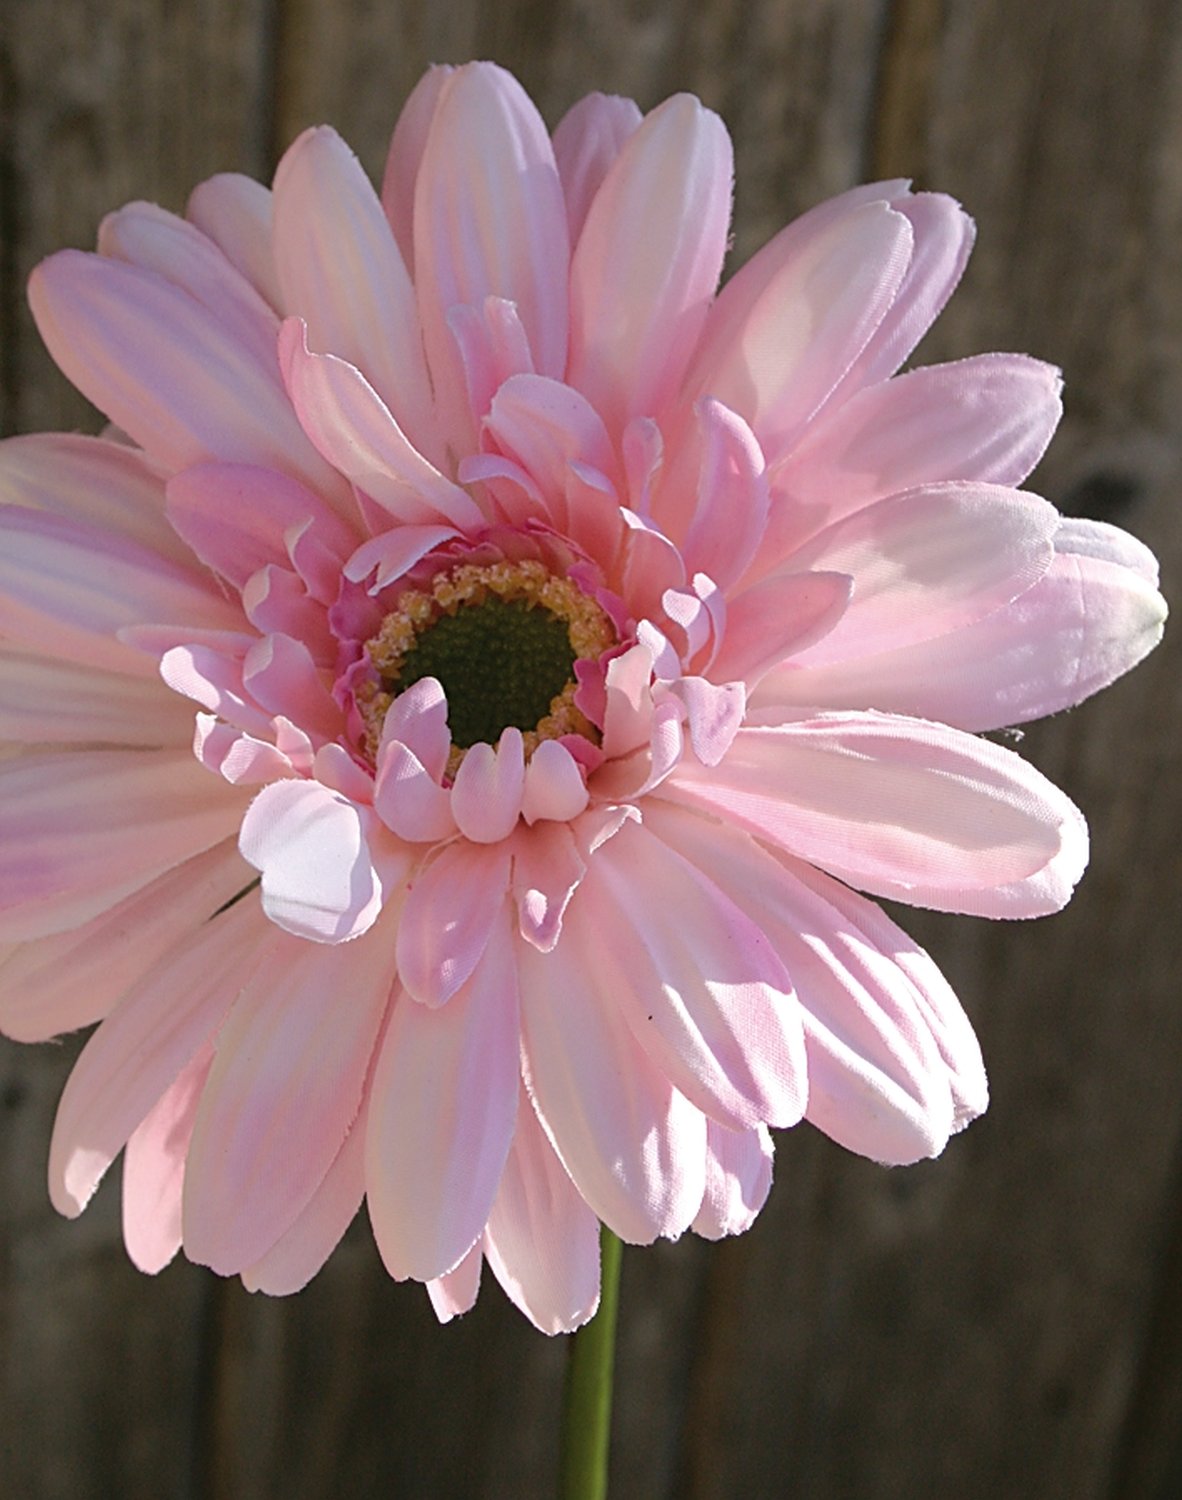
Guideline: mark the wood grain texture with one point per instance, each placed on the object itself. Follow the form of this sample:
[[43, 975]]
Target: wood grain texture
[[1004, 1321]]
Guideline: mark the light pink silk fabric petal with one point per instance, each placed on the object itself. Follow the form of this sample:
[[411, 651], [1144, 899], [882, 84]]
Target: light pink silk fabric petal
[[177, 380], [542, 1241], [340, 270], [587, 141], [633, 1144], [451, 907], [788, 325], [45, 701], [455, 1293], [71, 979], [901, 808], [928, 561], [405, 155], [1083, 625], [648, 260], [285, 1087], [700, 985], [143, 1046], [322, 877], [442, 1111], [81, 830], [769, 621], [489, 220], [235, 212], [154, 1169], [94, 481], [300, 1252], [738, 1180]]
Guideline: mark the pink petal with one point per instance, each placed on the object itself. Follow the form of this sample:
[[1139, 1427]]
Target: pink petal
[[154, 1169], [454, 1293], [633, 1144], [788, 325], [276, 603], [547, 868], [927, 562], [341, 271], [325, 874], [71, 979], [302, 1249], [901, 808], [237, 517], [418, 718], [441, 1118], [57, 702], [285, 1087], [943, 237], [67, 587], [148, 237], [732, 498], [776, 618], [487, 795], [985, 419], [697, 981], [554, 788], [87, 479], [648, 259], [738, 1180], [449, 913], [394, 553], [352, 427], [489, 220], [144, 1044], [83, 829], [235, 212], [879, 1081], [542, 1240], [587, 141], [493, 347], [282, 678], [180, 383], [406, 154], [408, 799], [1083, 625]]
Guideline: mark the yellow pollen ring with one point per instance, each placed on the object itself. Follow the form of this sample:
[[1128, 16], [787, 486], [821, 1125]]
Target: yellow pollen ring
[[588, 628]]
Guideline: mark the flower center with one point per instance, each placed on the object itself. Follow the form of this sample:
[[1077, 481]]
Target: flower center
[[502, 639]]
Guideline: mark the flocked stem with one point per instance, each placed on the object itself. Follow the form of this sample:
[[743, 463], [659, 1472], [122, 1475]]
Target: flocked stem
[[587, 1404]]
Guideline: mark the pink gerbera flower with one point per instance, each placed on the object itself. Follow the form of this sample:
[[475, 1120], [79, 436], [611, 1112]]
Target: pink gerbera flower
[[569, 641]]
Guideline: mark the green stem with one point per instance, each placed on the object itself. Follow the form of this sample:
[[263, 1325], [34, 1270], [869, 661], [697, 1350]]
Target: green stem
[[587, 1404]]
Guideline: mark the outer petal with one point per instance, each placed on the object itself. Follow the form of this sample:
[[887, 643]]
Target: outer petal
[[302, 1250], [901, 808], [178, 381], [987, 419], [59, 983], [322, 878], [144, 1045], [789, 324], [406, 154], [154, 1169], [542, 1240], [451, 908], [286, 1085], [587, 141], [67, 587], [1083, 625], [633, 1144], [648, 261], [43, 701], [455, 1292], [699, 983], [235, 212], [441, 1118], [79, 831], [341, 271], [489, 220], [738, 1180], [928, 561]]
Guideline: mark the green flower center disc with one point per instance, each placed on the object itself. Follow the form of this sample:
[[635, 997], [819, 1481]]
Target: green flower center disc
[[501, 662]]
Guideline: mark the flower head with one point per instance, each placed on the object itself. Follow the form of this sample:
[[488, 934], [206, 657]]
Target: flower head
[[570, 640]]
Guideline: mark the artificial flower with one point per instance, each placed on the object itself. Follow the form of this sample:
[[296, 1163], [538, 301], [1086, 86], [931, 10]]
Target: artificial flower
[[464, 691]]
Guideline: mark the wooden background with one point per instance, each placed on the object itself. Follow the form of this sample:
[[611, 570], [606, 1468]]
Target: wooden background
[[1006, 1321]]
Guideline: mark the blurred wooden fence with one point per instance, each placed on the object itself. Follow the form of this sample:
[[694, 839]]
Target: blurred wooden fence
[[1006, 1321]]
